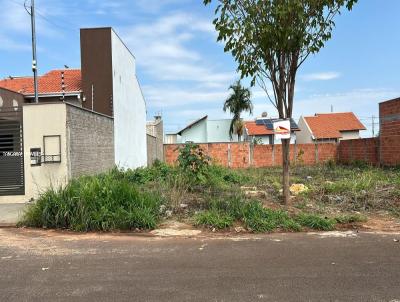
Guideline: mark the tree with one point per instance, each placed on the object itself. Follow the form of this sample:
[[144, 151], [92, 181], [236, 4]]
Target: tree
[[237, 102], [270, 40]]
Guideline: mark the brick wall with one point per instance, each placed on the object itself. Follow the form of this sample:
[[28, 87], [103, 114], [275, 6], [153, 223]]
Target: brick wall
[[366, 150], [389, 113], [243, 155], [90, 141]]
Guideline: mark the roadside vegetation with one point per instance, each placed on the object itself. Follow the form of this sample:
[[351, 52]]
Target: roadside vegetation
[[209, 196]]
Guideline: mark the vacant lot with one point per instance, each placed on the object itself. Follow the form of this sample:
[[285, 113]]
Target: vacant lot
[[325, 197]]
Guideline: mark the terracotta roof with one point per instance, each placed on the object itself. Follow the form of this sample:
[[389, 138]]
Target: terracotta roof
[[253, 129], [330, 125], [48, 83]]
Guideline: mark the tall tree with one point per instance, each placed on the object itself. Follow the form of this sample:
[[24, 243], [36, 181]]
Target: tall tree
[[237, 102], [270, 40]]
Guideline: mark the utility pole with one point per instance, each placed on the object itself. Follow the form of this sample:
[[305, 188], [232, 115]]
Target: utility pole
[[34, 58]]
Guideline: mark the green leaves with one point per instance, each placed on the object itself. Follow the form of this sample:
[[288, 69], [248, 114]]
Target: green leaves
[[238, 101], [270, 39]]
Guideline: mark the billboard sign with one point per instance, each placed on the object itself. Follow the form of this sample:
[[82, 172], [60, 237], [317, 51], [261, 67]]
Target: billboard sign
[[282, 129]]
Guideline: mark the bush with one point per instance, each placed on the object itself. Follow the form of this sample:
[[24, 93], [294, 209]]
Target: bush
[[259, 219], [95, 203], [315, 222], [158, 172], [214, 218], [194, 162], [350, 218]]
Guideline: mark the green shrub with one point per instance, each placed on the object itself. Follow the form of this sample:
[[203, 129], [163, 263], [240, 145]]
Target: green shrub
[[158, 172], [233, 206], [315, 222], [259, 219], [95, 203], [214, 218], [350, 218], [194, 162]]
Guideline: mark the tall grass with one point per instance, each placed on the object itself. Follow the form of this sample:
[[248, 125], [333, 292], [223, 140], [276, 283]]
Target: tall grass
[[95, 203]]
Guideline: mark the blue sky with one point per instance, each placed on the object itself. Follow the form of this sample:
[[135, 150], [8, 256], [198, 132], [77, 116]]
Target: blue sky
[[185, 74]]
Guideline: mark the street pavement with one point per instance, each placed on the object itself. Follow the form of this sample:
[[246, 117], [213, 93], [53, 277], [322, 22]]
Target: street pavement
[[38, 265]]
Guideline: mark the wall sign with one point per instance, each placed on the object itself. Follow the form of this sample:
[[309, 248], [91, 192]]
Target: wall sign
[[282, 129]]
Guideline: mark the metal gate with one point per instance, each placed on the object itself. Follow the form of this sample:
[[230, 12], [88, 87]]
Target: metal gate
[[11, 152]]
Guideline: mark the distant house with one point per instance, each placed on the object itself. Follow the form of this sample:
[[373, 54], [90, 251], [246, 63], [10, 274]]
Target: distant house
[[329, 127], [204, 130], [261, 131]]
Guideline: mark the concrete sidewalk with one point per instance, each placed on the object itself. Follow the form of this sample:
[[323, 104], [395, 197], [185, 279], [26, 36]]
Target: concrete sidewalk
[[10, 213]]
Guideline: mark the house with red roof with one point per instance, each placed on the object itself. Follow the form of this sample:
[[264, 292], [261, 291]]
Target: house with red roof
[[329, 127], [54, 86], [261, 131], [86, 120]]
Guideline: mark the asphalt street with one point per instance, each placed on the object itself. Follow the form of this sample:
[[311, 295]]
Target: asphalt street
[[54, 266]]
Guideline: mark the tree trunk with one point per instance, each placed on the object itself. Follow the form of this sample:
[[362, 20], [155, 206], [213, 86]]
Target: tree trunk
[[286, 164]]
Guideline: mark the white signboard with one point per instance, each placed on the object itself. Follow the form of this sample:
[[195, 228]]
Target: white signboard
[[282, 129]]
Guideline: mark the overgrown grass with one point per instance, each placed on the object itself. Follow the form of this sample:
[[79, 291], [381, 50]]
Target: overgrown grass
[[256, 218], [316, 222], [95, 203], [132, 199], [214, 219]]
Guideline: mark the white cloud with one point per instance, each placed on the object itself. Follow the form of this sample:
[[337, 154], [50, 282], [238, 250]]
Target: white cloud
[[164, 49], [321, 76], [361, 101]]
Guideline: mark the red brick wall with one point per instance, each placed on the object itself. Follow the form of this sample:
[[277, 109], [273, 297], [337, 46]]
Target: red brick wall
[[243, 155], [389, 113], [366, 149]]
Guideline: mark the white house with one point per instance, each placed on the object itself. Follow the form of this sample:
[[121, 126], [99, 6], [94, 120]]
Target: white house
[[204, 130]]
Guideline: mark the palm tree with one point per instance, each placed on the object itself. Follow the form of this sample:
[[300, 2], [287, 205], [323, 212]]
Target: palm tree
[[238, 102]]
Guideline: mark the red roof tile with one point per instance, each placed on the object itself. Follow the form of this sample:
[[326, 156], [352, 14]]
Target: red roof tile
[[329, 125], [253, 129], [47, 84]]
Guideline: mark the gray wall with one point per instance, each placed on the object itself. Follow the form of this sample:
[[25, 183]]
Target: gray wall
[[90, 140], [155, 141]]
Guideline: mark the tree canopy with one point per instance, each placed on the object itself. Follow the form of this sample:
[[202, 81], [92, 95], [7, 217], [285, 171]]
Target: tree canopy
[[238, 101], [270, 39]]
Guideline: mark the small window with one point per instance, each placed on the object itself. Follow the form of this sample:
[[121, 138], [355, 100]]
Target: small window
[[36, 157]]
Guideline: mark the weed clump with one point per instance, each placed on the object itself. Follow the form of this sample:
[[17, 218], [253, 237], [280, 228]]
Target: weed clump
[[95, 203]]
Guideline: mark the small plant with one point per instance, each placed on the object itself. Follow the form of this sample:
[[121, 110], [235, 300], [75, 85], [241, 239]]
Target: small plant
[[259, 219], [257, 141], [194, 162], [350, 218], [299, 157], [214, 219], [316, 222]]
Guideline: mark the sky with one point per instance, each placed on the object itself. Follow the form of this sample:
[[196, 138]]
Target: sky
[[185, 74]]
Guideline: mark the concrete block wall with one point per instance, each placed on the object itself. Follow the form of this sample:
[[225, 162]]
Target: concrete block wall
[[389, 113], [90, 141], [155, 141], [244, 155]]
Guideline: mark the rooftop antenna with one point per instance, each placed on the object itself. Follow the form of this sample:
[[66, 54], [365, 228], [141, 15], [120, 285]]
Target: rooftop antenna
[[31, 12], [331, 108]]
